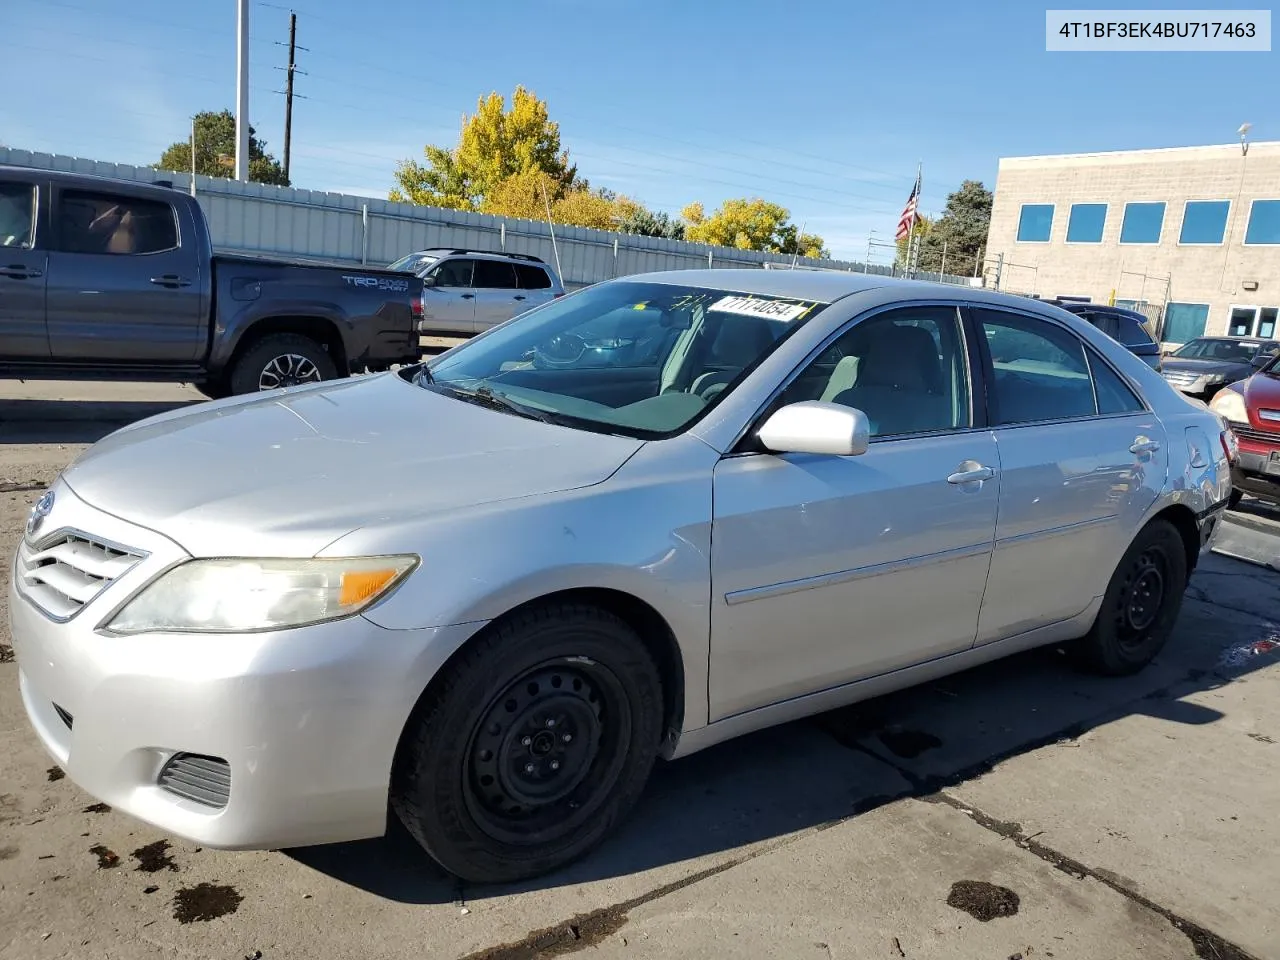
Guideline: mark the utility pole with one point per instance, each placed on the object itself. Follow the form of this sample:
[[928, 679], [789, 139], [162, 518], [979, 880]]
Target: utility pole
[[242, 90], [288, 91], [290, 70]]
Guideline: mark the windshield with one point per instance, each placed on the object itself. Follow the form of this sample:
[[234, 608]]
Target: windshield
[[413, 262], [1231, 351], [641, 359]]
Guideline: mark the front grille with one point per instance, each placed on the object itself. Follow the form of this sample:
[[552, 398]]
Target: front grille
[[205, 780], [68, 572], [1253, 433], [1180, 378]]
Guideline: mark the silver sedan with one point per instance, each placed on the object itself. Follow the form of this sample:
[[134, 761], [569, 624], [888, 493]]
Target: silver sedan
[[492, 590]]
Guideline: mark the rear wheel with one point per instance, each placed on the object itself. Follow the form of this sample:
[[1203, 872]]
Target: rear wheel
[[281, 360], [1141, 604], [532, 746]]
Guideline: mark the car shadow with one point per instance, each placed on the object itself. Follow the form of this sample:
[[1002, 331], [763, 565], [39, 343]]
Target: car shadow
[[75, 421], [722, 801]]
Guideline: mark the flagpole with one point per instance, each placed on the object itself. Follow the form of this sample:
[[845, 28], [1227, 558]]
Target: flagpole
[[911, 231]]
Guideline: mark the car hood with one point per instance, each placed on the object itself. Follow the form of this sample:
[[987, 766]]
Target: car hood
[[1204, 367], [289, 472], [1262, 391]]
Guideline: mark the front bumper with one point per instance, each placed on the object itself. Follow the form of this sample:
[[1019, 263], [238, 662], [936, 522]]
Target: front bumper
[[307, 720], [1249, 475]]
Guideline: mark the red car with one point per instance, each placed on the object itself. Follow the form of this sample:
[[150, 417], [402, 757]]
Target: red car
[[1252, 408]]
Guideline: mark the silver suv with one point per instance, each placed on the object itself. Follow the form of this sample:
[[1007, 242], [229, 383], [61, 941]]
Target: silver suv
[[469, 291]]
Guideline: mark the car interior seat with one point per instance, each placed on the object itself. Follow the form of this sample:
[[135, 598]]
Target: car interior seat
[[739, 342], [899, 382]]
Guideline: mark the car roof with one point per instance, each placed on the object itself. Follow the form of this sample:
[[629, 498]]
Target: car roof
[[828, 286], [493, 254]]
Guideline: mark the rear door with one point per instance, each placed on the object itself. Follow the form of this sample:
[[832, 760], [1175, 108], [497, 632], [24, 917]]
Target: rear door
[[124, 280], [1081, 460], [23, 269], [449, 303], [535, 285], [498, 294]]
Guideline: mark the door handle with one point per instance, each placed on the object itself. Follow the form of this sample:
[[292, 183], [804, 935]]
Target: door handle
[[1144, 445], [171, 280], [18, 272], [519, 296], [970, 472], [467, 296]]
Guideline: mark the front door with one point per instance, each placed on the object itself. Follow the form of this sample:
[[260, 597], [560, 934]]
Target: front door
[[123, 285], [449, 299], [23, 273], [827, 569], [1081, 461]]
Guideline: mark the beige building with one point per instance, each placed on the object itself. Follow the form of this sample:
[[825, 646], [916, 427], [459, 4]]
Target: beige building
[[1190, 235]]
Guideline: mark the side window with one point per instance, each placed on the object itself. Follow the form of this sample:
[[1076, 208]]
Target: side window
[[494, 275], [532, 278], [905, 369], [1103, 321], [1039, 370], [17, 215], [112, 224], [1114, 395], [453, 273], [1132, 333]]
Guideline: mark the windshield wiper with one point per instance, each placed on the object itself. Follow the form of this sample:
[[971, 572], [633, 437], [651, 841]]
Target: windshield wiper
[[425, 376], [485, 397]]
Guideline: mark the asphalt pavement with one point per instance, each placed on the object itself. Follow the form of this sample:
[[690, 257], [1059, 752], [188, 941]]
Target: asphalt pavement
[[1020, 809]]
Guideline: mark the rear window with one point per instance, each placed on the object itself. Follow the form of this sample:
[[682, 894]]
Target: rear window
[[532, 278], [494, 275], [1131, 333]]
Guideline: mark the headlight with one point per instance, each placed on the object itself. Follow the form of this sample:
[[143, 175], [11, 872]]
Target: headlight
[[238, 596], [1230, 406]]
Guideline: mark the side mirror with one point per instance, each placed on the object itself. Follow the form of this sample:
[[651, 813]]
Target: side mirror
[[1261, 360], [812, 426], [430, 281]]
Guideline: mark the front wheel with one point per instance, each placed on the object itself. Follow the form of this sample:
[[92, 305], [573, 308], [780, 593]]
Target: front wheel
[[1141, 604], [532, 746], [281, 360]]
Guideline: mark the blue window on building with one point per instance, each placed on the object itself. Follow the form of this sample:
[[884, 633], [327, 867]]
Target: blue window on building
[[1034, 222], [1183, 322], [1204, 221], [1086, 222], [1142, 222], [1264, 222]]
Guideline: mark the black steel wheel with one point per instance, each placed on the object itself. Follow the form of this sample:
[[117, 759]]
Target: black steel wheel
[[1141, 603], [534, 742]]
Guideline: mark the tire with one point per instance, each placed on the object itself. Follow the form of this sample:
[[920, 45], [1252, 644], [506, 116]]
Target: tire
[[1140, 606], [531, 746], [214, 389], [281, 360]]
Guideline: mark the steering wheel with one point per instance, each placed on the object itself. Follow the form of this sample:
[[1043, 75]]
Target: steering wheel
[[562, 350]]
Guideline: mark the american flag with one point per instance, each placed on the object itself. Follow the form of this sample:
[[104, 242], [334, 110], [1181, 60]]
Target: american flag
[[908, 218]]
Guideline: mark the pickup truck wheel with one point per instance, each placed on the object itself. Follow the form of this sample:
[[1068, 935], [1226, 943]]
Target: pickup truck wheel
[[281, 360], [532, 746]]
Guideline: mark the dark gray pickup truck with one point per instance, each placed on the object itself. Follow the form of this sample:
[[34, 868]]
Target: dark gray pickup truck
[[107, 279]]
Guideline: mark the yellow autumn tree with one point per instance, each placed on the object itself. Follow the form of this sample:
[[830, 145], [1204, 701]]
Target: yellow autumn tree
[[750, 224], [494, 144]]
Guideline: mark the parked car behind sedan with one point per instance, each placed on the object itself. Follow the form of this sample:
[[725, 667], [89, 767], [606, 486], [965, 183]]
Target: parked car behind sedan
[[1128, 327], [468, 291], [1203, 366], [1252, 409], [490, 592]]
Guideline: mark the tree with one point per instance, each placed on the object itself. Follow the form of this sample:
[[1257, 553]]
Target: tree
[[923, 226], [216, 152], [494, 145], [753, 224], [961, 231], [637, 219], [528, 194]]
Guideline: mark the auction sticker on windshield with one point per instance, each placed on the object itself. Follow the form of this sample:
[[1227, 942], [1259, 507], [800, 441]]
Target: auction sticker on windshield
[[751, 307]]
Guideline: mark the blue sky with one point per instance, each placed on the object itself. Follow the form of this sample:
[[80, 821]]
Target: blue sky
[[824, 107]]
